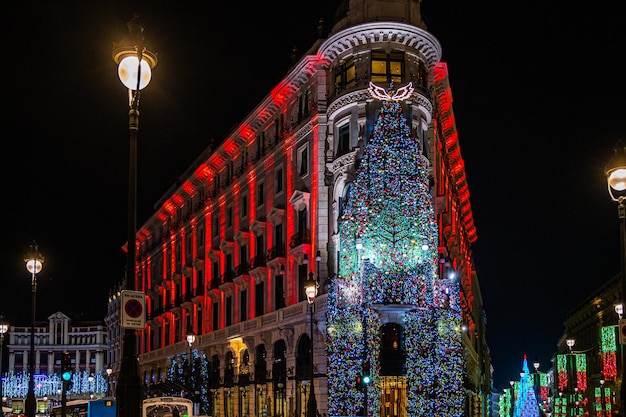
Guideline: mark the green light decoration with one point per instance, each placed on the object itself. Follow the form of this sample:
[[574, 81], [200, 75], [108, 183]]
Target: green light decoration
[[608, 351]]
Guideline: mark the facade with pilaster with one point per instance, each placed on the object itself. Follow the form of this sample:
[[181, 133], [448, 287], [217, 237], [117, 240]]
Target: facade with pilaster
[[227, 252]]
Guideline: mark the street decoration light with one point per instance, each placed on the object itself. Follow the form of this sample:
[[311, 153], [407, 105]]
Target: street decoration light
[[34, 263], [4, 327], [135, 64], [310, 289], [615, 172], [109, 371], [573, 391], [191, 338]]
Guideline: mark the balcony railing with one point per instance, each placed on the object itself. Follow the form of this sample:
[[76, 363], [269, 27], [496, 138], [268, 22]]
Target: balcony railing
[[257, 262], [276, 252], [242, 269], [300, 238]]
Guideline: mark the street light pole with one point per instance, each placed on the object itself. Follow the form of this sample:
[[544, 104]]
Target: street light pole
[[135, 65], [4, 327], [109, 371], [571, 376], [34, 263], [310, 288], [616, 181], [191, 338]]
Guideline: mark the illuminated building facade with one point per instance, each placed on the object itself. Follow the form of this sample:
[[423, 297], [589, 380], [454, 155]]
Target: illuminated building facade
[[87, 343], [588, 373], [227, 253]]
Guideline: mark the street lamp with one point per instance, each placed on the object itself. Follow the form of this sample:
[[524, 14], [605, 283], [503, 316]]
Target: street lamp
[[571, 374], [109, 371], [34, 263], [135, 65], [90, 379], [4, 327], [310, 289], [191, 338], [615, 172]]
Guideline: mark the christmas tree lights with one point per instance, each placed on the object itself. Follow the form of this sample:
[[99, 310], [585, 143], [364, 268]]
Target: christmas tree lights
[[526, 402], [389, 259]]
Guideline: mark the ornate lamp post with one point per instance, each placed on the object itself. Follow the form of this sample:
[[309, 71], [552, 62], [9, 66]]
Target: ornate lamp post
[[4, 327], [109, 371], [191, 338], [34, 263], [573, 391], [616, 182], [310, 289], [135, 65]]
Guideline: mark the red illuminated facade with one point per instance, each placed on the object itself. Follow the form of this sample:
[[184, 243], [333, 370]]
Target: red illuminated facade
[[227, 253]]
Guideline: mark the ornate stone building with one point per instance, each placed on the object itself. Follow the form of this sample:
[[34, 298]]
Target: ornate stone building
[[227, 253]]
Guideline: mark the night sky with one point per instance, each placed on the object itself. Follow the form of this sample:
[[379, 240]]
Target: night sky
[[539, 100]]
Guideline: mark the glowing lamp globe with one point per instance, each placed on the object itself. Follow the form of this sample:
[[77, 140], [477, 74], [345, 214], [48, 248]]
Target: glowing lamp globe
[[310, 289], [615, 172], [128, 70]]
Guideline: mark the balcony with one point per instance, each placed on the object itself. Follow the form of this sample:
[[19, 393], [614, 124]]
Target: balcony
[[258, 267], [276, 257], [242, 275], [228, 285], [300, 243]]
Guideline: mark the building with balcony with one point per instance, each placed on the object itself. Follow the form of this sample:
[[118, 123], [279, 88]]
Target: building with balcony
[[227, 252], [87, 343]]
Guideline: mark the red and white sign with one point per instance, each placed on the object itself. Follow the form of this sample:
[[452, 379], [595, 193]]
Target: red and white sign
[[133, 310]]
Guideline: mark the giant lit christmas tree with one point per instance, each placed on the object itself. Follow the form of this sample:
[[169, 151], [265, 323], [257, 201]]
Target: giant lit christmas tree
[[388, 263], [526, 404]]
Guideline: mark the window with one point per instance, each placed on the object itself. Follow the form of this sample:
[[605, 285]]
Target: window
[[343, 139], [302, 221], [228, 268], [260, 247], [303, 160], [229, 310], [345, 75], [243, 258], [244, 206], [303, 275], [216, 316], [279, 180], [216, 226], [387, 67], [199, 319], [259, 307], [200, 237], [229, 216], [243, 305], [215, 279], [278, 237], [279, 295], [260, 194]]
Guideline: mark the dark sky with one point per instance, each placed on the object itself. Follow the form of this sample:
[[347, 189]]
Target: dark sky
[[539, 99]]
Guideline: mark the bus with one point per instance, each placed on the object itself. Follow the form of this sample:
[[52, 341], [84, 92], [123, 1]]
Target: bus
[[101, 407], [167, 407]]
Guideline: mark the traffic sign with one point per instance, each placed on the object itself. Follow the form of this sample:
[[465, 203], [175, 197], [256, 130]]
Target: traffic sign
[[133, 309], [622, 331]]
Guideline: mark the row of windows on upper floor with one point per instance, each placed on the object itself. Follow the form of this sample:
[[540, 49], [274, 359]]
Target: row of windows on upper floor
[[44, 357], [242, 210], [387, 69], [384, 68], [238, 263], [59, 340]]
